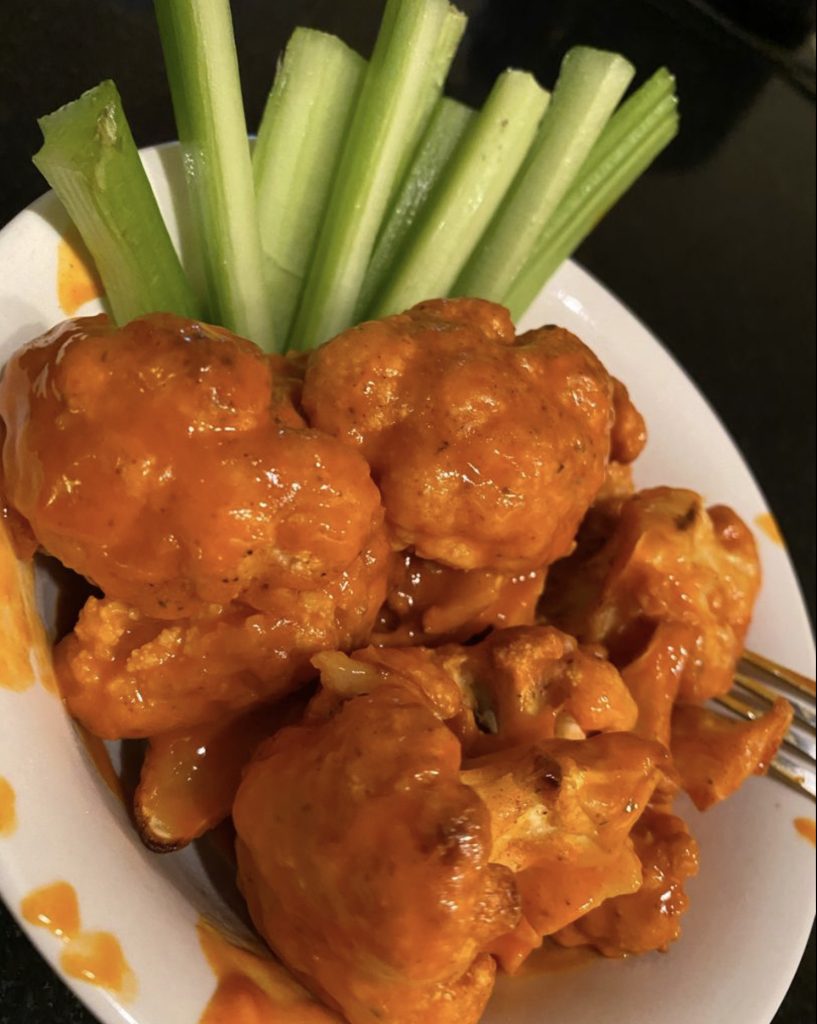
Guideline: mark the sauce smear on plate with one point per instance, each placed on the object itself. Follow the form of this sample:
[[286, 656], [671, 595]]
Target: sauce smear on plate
[[95, 957], [253, 988], [22, 637], [77, 281], [8, 809], [806, 827], [768, 524]]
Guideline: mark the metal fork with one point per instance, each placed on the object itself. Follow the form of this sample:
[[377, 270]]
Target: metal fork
[[758, 683]]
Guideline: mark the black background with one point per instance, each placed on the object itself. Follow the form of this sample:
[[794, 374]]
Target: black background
[[714, 250]]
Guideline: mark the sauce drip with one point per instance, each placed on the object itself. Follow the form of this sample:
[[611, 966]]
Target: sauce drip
[[8, 808], [768, 524], [22, 638], [253, 988], [806, 828], [95, 957], [552, 958], [77, 281]]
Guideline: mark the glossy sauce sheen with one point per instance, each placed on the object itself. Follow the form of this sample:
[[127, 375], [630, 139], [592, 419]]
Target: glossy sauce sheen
[[8, 808], [253, 988], [21, 632], [553, 959], [77, 283], [807, 828], [95, 957], [191, 495]]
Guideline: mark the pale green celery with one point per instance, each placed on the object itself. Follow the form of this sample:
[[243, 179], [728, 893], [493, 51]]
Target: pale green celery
[[467, 196], [90, 160], [202, 67], [403, 82], [590, 87], [637, 116], [448, 42], [589, 200], [296, 156], [442, 136]]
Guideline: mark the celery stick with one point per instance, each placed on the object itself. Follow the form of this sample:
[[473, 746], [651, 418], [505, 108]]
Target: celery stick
[[591, 197], [590, 86], [404, 79], [636, 117], [202, 67], [468, 194], [444, 132], [296, 156], [451, 34], [90, 160]]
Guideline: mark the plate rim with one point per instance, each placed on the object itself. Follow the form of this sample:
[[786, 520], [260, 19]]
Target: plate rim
[[106, 1006]]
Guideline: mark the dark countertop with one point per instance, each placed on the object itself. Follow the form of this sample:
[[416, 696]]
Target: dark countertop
[[714, 250]]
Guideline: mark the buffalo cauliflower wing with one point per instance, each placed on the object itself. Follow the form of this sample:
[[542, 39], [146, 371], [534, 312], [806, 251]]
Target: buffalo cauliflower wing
[[429, 603], [126, 675], [166, 462], [384, 864], [365, 863], [661, 557], [650, 918], [487, 448]]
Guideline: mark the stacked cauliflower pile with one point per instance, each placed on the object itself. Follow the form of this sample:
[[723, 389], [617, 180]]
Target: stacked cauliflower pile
[[499, 764]]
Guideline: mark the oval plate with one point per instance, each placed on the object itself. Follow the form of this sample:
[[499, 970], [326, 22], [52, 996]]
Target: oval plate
[[752, 905]]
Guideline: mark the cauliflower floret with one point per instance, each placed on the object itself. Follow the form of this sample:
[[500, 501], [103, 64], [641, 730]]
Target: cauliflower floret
[[650, 918], [561, 816], [430, 604], [166, 462], [715, 755], [364, 861], [487, 449], [126, 675], [661, 557]]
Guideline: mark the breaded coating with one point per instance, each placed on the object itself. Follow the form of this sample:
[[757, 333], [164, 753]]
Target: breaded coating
[[166, 462], [333, 816], [428, 603], [715, 755], [661, 557], [126, 675], [364, 861], [536, 683], [487, 448], [649, 919], [561, 816]]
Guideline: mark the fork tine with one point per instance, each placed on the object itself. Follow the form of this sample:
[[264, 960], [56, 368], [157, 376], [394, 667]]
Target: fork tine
[[803, 712], [795, 774], [802, 744], [785, 675], [758, 682]]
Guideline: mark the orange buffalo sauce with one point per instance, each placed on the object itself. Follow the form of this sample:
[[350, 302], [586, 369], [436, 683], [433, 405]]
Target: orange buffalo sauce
[[77, 280], [253, 988], [8, 808], [551, 958], [22, 637], [54, 907], [17, 633], [95, 957], [768, 524], [806, 827]]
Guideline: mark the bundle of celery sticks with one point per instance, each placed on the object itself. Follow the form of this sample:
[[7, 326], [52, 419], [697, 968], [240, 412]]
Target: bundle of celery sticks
[[367, 189]]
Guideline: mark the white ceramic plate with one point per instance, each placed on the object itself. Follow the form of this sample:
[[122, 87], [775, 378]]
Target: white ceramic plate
[[752, 905]]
